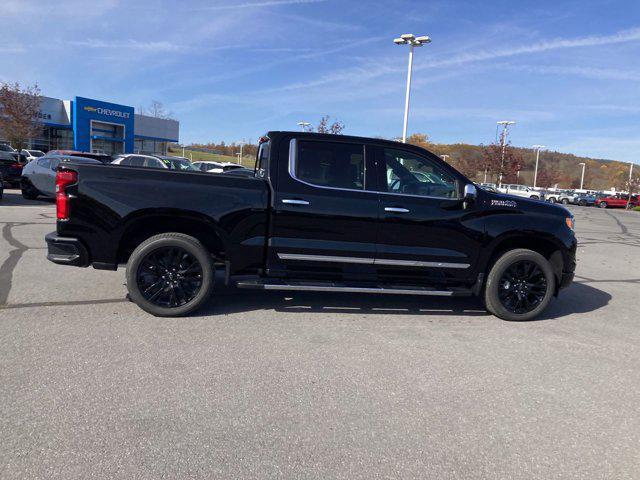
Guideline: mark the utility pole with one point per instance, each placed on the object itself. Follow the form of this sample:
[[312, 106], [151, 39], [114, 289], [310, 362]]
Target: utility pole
[[630, 185], [444, 157], [505, 131], [413, 41], [582, 177], [535, 173], [304, 125]]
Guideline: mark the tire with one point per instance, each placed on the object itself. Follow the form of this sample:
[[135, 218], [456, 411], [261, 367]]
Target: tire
[[582, 203], [535, 197], [158, 264], [29, 192], [553, 200], [603, 205], [536, 298], [565, 201]]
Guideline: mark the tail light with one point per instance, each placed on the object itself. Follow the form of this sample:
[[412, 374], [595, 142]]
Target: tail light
[[17, 165], [64, 178]]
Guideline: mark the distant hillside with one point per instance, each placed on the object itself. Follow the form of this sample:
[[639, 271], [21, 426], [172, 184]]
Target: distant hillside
[[563, 169]]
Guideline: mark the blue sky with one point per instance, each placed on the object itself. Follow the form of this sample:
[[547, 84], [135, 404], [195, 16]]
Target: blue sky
[[567, 71]]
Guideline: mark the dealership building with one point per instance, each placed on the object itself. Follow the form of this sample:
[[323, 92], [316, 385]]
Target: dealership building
[[95, 126]]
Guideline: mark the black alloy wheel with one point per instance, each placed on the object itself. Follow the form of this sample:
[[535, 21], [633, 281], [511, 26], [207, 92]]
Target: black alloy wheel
[[169, 277], [170, 274], [603, 205], [522, 287]]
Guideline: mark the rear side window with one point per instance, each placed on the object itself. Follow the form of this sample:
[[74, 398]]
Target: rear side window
[[152, 162], [136, 161], [44, 162], [330, 164]]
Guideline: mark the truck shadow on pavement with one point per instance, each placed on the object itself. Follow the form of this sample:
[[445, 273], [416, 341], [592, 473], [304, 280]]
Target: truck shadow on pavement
[[13, 198], [577, 299]]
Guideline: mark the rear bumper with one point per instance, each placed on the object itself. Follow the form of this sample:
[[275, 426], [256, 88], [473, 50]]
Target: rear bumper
[[66, 251]]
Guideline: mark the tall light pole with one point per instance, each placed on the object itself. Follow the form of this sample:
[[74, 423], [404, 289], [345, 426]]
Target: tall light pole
[[505, 131], [582, 177], [304, 125], [413, 41], [537, 148], [444, 157]]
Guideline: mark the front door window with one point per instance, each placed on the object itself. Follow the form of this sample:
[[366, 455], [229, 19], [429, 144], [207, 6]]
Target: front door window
[[410, 174]]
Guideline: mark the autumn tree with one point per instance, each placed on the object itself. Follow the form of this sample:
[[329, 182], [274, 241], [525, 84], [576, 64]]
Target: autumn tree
[[19, 108], [335, 128], [156, 109]]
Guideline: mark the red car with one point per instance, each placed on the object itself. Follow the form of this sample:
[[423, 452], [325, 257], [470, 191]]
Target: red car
[[617, 201]]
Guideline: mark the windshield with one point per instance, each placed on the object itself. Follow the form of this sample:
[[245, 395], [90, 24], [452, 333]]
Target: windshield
[[36, 153], [5, 148]]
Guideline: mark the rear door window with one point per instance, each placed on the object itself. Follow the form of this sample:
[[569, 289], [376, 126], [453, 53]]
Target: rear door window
[[330, 164]]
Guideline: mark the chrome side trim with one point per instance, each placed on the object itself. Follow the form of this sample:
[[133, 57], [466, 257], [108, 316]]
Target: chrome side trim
[[395, 291], [416, 263], [325, 258], [295, 202], [370, 261]]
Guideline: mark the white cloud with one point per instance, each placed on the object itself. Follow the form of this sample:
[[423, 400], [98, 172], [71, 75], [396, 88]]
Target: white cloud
[[587, 72], [161, 46], [266, 3]]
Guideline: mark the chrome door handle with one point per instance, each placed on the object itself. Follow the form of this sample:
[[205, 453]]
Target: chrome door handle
[[295, 202], [396, 209]]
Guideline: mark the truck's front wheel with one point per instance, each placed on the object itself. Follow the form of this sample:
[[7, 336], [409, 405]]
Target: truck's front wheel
[[519, 285], [170, 275]]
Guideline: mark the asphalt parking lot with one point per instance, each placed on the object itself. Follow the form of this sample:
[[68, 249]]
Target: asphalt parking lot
[[268, 385]]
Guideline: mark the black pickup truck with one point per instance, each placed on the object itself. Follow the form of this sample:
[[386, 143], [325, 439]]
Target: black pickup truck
[[323, 213]]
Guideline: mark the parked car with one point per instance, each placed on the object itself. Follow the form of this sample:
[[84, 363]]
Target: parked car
[[10, 165], [31, 154], [314, 218], [138, 160], [521, 191], [243, 172], [216, 167], [617, 201], [39, 176], [1, 186], [76, 153], [176, 163], [585, 200]]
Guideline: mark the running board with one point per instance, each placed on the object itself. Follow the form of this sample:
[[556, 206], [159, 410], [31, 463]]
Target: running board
[[337, 287]]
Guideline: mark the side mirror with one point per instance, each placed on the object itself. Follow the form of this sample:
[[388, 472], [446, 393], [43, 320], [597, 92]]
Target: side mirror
[[470, 192]]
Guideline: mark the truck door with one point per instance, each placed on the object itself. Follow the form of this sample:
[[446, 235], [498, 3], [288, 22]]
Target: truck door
[[425, 234], [324, 210]]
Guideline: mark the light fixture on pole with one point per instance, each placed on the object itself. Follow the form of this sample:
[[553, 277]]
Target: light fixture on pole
[[444, 157], [413, 41], [582, 177], [304, 125], [505, 131], [537, 148]]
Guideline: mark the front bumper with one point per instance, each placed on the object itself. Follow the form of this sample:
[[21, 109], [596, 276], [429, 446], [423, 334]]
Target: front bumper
[[66, 251]]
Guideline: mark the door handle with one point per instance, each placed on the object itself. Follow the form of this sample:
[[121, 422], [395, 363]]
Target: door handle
[[396, 209], [295, 202]]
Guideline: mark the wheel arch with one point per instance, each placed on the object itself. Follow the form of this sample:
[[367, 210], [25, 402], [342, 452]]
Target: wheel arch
[[545, 246], [147, 224]]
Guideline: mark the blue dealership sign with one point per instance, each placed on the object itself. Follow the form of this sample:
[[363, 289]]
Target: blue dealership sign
[[86, 110]]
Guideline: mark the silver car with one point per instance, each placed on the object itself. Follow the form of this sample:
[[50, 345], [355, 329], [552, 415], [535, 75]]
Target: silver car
[[39, 176]]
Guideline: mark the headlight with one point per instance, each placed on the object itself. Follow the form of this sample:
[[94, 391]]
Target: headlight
[[570, 222]]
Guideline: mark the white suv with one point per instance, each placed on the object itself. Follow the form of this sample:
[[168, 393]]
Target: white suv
[[520, 191]]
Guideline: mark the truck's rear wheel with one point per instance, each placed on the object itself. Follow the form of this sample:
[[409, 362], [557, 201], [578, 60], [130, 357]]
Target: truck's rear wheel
[[519, 285], [170, 275]]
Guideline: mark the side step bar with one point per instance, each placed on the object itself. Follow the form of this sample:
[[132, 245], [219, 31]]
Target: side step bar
[[336, 287]]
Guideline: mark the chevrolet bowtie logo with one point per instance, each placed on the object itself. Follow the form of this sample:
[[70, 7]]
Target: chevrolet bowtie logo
[[90, 109]]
